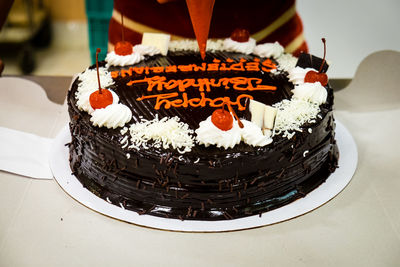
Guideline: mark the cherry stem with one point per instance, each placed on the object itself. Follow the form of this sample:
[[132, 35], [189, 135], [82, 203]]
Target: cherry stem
[[234, 114], [323, 60], [122, 27], [97, 68]]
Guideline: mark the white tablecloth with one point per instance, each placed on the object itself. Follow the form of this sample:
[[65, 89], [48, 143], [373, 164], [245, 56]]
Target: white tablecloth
[[40, 225]]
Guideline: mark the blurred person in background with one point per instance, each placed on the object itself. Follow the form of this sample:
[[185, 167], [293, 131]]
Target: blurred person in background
[[5, 6], [266, 20]]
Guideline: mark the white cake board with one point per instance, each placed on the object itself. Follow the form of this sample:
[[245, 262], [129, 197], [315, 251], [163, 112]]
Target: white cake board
[[336, 182]]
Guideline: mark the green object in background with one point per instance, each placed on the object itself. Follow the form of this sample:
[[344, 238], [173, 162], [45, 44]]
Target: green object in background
[[98, 13]]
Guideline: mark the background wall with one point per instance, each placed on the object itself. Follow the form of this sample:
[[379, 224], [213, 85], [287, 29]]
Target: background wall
[[353, 29], [66, 10]]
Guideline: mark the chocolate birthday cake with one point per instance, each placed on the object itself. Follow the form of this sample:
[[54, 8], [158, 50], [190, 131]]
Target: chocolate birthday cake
[[246, 130]]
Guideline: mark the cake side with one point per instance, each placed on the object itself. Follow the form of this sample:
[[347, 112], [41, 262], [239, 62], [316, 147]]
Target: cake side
[[209, 183]]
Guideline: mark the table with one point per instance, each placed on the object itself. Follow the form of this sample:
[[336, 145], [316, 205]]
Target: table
[[54, 86], [40, 225]]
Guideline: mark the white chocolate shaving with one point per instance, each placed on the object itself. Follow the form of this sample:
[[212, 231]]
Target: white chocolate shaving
[[165, 133], [292, 114]]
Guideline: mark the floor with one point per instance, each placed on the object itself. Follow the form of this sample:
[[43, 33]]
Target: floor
[[68, 53]]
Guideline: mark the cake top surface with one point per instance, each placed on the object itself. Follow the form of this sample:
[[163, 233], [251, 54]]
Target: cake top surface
[[240, 96]]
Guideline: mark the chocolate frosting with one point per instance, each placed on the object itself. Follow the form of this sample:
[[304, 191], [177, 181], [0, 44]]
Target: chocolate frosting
[[310, 61], [207, 183]]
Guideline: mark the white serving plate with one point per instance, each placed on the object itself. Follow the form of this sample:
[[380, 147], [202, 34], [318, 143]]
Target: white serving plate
[[335, 183]]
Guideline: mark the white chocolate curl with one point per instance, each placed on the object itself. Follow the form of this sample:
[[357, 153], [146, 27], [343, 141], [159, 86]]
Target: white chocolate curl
[[286, 62]]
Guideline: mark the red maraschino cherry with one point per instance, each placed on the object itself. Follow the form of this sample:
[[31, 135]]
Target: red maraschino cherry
[[240, 35], [313, 76], [222, 119], [100, 100], [123, 48], [102, 97]]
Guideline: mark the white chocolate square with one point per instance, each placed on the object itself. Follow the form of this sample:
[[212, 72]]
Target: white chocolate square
[[257, 112], [159, 40], [269, 116]]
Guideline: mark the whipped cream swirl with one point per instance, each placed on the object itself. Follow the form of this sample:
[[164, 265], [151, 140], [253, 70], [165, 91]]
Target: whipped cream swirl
[[146, 50], [209, 134], [311, 92], [112, 116], [241, 47], [113, 59], [88, 84], [274, 50], [88, 80], [297, 75], [253, 135]]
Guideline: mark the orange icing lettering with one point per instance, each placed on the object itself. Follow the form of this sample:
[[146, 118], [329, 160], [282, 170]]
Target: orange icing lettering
[[138, 70], [169, 100], [248, 85], [114, 74], [237, 66], [252, 66], [185, 68], [157, 69], [156, 81], [212, 67], [203, 84], [176, 89], [171, 68], [223, 67], [243, 65], [199, 68], [183, 84], [269, 65], [126, 72]]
